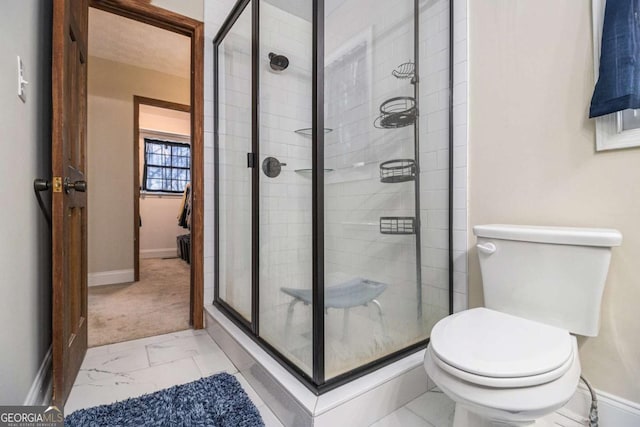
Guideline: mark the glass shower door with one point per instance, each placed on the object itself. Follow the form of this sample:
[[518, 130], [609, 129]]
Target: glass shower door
[[285, 248], [233, 181], [325, 254]]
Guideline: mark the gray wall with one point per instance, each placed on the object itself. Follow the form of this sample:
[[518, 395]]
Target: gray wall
[[25, 258]]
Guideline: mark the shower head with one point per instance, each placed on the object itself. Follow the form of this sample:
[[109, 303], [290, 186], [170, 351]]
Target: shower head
[[278, 62]]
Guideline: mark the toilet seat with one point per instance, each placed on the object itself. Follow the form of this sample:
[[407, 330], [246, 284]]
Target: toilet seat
[[511, 405], [495, 349], [498, 382]]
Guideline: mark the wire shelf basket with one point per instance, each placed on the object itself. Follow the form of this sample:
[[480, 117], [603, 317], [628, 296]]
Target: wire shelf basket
[[398, 170], [397, 112], [405, 71], [397, 225]]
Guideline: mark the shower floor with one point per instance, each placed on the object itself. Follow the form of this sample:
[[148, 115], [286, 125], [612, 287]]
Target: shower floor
[[352, 339]]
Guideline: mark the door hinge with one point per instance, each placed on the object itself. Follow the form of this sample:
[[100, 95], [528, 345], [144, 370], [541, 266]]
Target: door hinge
[[57, 184]]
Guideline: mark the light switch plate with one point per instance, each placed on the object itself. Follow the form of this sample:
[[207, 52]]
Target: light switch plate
[[22, 94]]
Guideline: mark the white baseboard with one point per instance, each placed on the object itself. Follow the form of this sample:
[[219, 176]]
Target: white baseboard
[[613, 411], [110, 277], [40, 391], [159, 253]]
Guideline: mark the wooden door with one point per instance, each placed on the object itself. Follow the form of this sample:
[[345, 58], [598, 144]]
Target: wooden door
[[69, 210]]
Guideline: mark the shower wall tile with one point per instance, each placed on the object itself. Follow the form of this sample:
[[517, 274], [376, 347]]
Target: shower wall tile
[[460, 202], [460, 301], [460, 261], [443, 159]]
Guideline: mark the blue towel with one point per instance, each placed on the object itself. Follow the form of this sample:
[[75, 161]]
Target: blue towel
[[618, 86]]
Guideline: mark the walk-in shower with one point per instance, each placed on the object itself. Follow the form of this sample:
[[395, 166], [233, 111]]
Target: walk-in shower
[[332, 180]]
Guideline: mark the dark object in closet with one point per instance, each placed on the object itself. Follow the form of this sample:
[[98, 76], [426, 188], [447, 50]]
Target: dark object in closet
[[184, 215], [184, 247]]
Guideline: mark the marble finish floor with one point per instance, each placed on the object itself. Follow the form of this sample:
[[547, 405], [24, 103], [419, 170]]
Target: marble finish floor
[[435, 409], [128, 369]]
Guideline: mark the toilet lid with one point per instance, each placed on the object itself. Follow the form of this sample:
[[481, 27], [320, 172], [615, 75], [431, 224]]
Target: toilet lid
[[494, 344]]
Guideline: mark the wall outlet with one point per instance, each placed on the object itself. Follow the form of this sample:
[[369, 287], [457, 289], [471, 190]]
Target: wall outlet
[[22, 83]]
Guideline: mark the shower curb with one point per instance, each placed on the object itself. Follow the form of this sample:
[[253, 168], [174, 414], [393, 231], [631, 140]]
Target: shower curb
[[360, 402]]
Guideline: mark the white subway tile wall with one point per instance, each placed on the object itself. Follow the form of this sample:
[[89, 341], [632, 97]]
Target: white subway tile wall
[[460, 96]]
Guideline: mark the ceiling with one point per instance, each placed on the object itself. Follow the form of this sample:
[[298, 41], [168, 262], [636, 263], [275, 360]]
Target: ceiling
[[165, 113], [131, 42], [303, 8]]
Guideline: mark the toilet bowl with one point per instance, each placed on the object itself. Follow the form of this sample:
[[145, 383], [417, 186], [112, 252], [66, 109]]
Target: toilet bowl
[[524, 371], [515, 361]]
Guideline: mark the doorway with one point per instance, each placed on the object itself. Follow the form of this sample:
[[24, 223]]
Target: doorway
[[140, 281]]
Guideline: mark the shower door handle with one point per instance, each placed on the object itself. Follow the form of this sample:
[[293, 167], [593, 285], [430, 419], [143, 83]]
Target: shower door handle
[[251, 160]]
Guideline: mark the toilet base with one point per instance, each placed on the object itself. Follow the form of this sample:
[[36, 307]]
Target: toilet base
[[466, 418]]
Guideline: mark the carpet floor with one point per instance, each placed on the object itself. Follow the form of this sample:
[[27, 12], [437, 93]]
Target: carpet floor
[[216, 401], [157, 304]]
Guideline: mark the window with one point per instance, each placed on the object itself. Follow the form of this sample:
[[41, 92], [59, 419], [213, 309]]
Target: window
[[616, 130], [167, 166]]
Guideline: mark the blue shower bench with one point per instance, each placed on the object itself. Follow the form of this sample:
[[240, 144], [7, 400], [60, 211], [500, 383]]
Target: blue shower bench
[[353, 293]]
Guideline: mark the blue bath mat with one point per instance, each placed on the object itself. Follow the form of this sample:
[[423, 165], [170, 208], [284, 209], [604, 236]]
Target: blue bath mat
[[217, 401]]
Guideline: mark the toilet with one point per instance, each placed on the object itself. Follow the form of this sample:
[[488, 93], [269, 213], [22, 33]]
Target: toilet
[[515, 361]]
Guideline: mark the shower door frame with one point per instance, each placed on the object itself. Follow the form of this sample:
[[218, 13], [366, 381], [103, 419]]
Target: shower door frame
[[250, 326], [316, 382]]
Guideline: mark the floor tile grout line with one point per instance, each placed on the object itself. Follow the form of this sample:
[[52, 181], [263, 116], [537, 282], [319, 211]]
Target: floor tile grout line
[[90, 367], [168, 336], [198, 366], [406, 406], [150, 365], [132, 348], [137, 371], [146, 350], [410, 411]]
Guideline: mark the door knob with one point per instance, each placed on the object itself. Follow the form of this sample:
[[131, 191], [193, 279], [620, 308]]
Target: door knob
[[80, 186]]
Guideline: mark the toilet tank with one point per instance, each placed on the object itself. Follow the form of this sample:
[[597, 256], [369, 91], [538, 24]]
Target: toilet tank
[[553, 275]]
